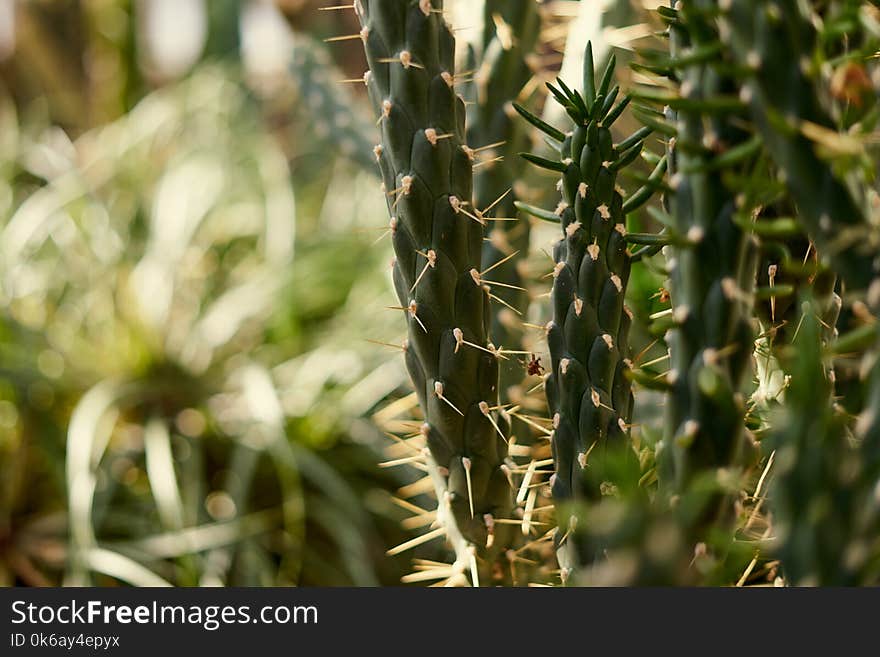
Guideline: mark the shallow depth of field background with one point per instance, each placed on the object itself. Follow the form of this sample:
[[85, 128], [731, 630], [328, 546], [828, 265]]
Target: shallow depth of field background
[[191, 264]]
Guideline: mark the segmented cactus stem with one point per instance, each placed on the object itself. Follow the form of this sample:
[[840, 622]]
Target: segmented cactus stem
[[774, 42], [826, 512], [711, 263], [587, 388], [825, 494], [427, 173]]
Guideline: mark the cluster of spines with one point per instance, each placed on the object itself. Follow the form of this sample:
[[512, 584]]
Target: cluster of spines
[[437, 235]]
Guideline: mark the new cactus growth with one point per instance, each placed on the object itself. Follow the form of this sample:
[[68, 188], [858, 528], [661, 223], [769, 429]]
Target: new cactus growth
[[437, 233], [587, 388]]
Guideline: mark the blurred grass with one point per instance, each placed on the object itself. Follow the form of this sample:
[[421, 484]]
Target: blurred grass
[[182, 353]]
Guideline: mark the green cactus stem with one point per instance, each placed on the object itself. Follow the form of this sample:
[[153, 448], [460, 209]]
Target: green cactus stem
[[776, 43], [826, 511], [503, 69], [825, 494], [588, 387], [711, 263], [427, 172]]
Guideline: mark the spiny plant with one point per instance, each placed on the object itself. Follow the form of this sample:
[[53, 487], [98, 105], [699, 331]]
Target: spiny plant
[[338, 119], [437, 234], [790, 267], [815, 129], [711, 260], [588, 387], [738, 146], [824, 170], [503, 70], [826, 521]]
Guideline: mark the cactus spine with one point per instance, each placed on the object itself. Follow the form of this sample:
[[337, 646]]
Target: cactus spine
[[588, 389], [510, 35], [437, 236]]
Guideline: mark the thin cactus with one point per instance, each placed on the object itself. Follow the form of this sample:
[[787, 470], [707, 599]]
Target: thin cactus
[[588, 387], [339, 119], [437, 233], [775, 43], [815, 127], [711, 260], [506, 59], [826, 513], [825, 494]]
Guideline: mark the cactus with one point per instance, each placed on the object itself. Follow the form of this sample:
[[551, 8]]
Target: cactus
[[795, 127], [340, 120], [509, 39], [711, 260], [824, 496], [790, 268], [588, 389], [437, 236], [827, 517], [729, 183], [815, 128]]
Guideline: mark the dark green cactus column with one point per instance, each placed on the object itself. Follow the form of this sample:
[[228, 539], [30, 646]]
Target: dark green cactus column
[[502, 70], [711, 261], [427, 173], [587, 387]]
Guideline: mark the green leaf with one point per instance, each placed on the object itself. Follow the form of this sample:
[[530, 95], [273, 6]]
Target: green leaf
[[544, 163], [649, 238], [589, 74], [535, 211], [643, 194], [607, 76], [615, 113], [541, 125], [636, 137]]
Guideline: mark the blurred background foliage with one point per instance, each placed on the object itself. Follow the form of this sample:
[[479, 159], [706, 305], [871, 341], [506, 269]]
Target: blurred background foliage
[[183, 285], [188, 283]]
